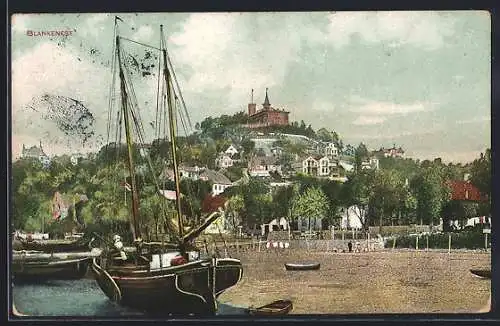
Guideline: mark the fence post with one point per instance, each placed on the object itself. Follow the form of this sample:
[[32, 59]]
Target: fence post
[[486, 241], [394, 243], [449, 243], [416, 243], [427, 247]]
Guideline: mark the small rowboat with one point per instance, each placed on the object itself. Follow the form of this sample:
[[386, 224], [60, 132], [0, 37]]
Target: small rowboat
[[278, 307], [481, 273], [302, 267]]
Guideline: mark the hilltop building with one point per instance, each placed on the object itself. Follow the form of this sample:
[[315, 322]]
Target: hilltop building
[[390, 152], [35, 153], [266, 116]]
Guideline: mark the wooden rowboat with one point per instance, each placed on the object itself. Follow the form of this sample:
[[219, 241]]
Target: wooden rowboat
[[481, 273], [278, 307], [302, 267]]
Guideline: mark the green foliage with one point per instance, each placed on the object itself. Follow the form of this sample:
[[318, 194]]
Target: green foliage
[[473, 239], [312, 203]]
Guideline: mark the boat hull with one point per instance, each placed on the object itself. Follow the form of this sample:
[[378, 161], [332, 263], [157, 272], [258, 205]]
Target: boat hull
[[302, 267], [279, 307], [184, 289], [55, 245], [43, 270], [481, 273]]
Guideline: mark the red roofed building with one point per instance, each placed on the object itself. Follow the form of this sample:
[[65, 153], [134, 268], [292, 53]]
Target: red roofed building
[[267, 116], [464, 190]]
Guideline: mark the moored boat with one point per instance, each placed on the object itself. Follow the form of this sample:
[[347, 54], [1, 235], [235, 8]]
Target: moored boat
[[481, 273], [170, 277], [302, 266], [38, 266], [278, 307]]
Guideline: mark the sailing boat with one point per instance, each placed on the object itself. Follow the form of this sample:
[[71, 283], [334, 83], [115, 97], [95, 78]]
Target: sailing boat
[[169, 278]]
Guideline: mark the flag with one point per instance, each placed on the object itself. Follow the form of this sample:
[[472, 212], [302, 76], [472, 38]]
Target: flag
[[126, 186]]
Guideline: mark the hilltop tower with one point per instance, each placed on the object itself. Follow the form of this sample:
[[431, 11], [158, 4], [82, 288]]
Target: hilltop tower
[[266, 105], [252, 107]]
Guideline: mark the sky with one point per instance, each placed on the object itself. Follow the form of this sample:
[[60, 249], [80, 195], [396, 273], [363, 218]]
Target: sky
[[419, 80]]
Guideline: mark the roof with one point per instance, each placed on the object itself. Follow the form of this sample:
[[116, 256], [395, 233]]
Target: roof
[[215, 177], [33, 151], [266, 101], [263, 160], [464, 190]]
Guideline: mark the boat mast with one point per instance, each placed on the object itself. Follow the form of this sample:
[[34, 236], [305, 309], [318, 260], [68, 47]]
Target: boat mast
[[173, 129], [135, 197]]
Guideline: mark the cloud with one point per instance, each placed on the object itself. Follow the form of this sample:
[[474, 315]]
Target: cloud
[[144, 33], [377, 112], [368, 120], [425, 30], [49, 69], [95, 25], [479, 119], [238, 52]]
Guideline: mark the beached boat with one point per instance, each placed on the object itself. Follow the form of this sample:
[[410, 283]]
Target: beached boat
[[481, 273], [55, 245], [39, 266], [302, 267], [170, 278], [278, 307]]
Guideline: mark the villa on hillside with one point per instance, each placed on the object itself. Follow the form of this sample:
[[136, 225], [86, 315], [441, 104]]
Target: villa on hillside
[[390, 152], [219, 181], [260, 166], [317, 165]]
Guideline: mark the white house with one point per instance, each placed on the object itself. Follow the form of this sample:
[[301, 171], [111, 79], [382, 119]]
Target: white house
[[231, 150], [261, 166], [276, 224], [331, 150], [219, 180], [224, 161], [321, 166], [352, 217]]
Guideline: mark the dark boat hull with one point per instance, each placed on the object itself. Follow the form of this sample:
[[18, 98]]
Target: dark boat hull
[[302, 267], [279, 307], [189, 288], [43, 270], [55, 246], [481, 273]]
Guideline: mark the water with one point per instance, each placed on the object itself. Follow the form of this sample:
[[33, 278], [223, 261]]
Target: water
[[76, 298]]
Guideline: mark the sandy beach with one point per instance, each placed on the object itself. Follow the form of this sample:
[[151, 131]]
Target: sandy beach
[[369, 282]]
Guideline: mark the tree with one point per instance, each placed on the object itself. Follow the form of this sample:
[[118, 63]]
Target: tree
[[386, 193], [312, 203], [481, 174], [357, 191], [360, 154], [432, 194]]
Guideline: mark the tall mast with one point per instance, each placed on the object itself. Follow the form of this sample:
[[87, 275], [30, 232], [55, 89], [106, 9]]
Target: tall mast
[[173, 128], [135, 197]]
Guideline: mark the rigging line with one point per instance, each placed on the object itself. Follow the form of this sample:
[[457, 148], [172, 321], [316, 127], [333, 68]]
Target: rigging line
[[158, 85], [139, 43], [113, 80], [169, 61]]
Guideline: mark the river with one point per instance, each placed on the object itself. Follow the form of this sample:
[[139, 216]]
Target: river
[[78, 298]]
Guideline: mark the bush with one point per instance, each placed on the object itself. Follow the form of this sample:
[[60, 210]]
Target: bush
[[473, 239]]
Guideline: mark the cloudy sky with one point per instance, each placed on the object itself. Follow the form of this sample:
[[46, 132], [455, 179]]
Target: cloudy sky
[[420, 80]]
